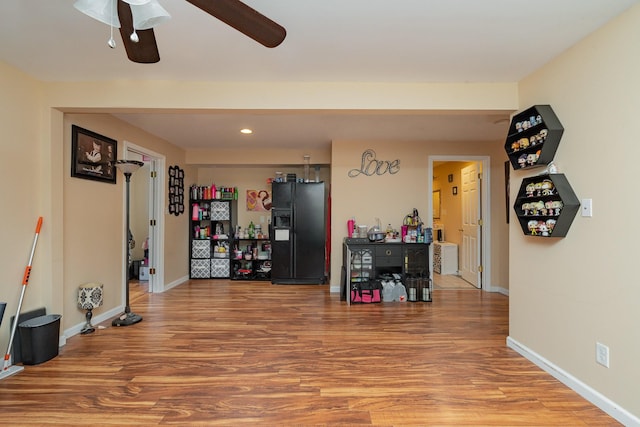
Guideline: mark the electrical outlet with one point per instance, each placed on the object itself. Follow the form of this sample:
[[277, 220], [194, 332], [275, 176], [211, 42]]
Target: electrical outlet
[[602, 354]]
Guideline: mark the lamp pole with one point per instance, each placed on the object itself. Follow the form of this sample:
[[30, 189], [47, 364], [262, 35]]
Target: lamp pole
[[127, 167]]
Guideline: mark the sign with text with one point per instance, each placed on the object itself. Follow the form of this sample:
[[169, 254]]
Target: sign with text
[[369, 165]]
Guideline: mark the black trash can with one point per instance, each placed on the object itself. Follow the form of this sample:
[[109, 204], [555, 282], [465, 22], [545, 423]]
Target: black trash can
[[39, 337], [3, 305]]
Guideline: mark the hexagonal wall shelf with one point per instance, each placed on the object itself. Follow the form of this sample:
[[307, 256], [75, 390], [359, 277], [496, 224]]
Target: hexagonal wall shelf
[[546, 205], [534, 136]]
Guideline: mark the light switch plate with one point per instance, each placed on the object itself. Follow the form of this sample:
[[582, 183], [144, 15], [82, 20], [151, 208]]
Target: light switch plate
[[586, 207]]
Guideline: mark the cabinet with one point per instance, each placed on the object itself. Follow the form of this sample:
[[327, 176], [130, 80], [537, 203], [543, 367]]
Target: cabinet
[[211, 238], [251, 259], [365, 261], [546, 205], [534, 136], [445, 258]]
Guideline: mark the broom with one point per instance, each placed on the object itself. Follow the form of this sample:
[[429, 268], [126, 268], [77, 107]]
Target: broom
[[7, 369]]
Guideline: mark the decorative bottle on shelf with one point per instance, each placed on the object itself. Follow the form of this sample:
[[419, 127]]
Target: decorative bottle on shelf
[[252, 229]]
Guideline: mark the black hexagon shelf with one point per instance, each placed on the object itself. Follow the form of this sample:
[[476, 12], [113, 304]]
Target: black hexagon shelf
[[546, 205], [534, 136]]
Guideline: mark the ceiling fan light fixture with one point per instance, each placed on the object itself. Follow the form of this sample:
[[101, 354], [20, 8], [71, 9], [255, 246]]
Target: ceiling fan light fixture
[[101, 10], [136, 2], [148, 15]]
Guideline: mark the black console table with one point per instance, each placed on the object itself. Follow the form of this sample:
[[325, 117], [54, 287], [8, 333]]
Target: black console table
[[363, 260]]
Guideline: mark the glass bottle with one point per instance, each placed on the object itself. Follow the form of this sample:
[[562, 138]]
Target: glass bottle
[[252, 229]]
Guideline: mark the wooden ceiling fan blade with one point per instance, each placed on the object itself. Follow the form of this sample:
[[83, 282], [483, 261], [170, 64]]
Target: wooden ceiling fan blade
[[244, 19], [145, 51]]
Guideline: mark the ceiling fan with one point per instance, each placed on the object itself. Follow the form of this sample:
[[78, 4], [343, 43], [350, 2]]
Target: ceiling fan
[[140, 43]]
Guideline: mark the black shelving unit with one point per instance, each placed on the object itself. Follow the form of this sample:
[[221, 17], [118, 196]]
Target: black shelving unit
[[546, 205], [534, 136], [258, 264], [211, 226]]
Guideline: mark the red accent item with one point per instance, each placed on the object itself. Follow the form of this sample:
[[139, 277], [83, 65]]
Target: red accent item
[[328, 242]]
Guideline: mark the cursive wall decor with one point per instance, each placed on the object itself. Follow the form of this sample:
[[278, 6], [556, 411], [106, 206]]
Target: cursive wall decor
[[369, 165]]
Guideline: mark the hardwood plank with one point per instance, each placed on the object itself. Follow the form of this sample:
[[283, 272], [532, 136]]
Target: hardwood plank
[[251, 353]]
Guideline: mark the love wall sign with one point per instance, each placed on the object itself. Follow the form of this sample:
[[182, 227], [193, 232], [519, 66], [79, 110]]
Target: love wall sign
[[369, 165]]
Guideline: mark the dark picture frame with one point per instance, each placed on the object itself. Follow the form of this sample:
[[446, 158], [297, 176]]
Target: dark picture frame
[[92, 155], [507, 189]]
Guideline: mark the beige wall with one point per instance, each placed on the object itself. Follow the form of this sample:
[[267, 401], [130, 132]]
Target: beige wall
[[22, 182], [567, 294], [390, 197], [93, 220]]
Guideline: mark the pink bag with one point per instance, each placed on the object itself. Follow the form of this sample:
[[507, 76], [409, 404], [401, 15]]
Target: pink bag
[[366, 292]]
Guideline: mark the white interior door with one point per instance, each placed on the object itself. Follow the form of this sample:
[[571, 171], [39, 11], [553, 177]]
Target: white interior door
[[471, 226], [154, 167], [153, 214]]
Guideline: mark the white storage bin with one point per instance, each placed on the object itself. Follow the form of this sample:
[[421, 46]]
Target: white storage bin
[[200, 269], [220, 267], [220, 211], [201, 249]]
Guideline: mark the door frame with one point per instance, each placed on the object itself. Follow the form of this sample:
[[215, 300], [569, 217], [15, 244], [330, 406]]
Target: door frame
[[485, 197], [156, 204]]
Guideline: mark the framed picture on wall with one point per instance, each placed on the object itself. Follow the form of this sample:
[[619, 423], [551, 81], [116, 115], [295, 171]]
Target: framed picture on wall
[[507, 172], [258, 200], [92, 155]]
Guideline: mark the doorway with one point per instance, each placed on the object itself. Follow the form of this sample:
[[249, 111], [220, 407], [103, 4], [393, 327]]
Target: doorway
[[461, 221], [147, 200]]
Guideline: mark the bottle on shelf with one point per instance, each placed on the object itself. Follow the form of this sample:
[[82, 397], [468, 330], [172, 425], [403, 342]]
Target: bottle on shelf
[[252, 230], [195, 212], [351, 224]]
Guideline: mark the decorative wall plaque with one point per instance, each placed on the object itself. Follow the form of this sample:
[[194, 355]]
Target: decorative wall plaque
[[369, 165], [176, 190]]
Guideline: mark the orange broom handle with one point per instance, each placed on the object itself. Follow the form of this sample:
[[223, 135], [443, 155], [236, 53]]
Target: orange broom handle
[[27, 270], [25, 281], [25, 278]]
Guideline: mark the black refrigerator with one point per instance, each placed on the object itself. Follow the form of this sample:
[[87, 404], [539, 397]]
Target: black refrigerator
[[298, 234]]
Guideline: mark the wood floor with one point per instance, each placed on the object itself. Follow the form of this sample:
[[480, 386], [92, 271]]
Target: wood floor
[[451, 281], [252, 353]]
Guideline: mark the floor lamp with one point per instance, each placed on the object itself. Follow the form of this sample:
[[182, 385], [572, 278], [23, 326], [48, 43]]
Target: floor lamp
[[127, 167]]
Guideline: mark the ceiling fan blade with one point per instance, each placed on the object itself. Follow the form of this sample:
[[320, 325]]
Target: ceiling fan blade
[[244, 19], [145, 51]]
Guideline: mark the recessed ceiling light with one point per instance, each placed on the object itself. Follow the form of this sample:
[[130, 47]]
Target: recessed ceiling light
[[246, 131]]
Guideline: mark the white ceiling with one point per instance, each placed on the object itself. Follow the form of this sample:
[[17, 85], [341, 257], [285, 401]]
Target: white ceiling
[[327, 41]]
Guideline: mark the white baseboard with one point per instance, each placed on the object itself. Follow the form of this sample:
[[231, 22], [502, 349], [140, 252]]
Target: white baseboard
[[75, 329], [499, 290], [607, 405], [180, 281]]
